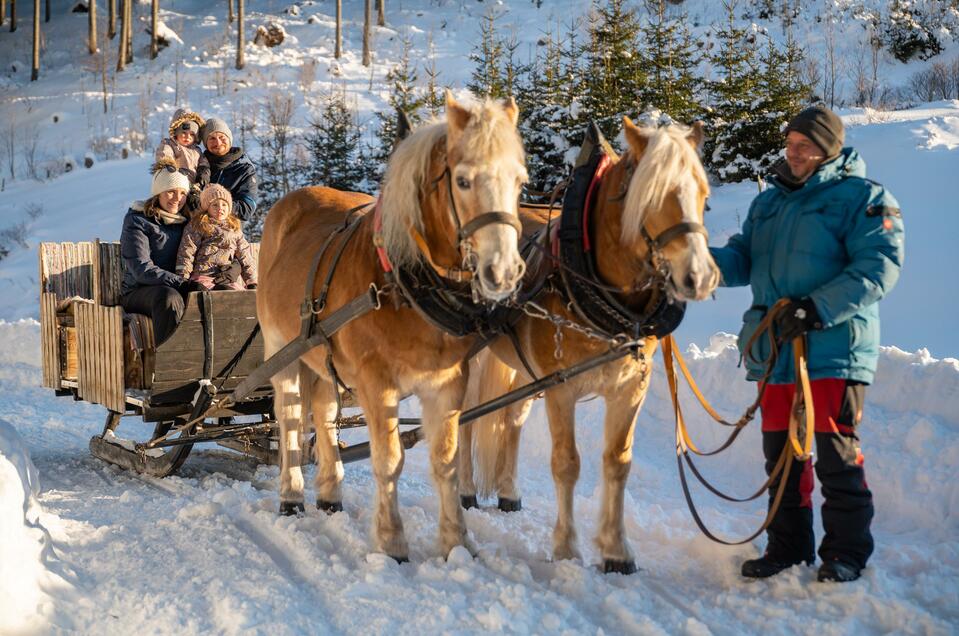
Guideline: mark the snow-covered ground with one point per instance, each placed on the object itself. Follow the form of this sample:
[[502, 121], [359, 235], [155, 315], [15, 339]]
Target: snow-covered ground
[[86, 548], [205, 552]]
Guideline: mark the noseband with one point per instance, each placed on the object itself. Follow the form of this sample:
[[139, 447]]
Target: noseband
[[467, 272]]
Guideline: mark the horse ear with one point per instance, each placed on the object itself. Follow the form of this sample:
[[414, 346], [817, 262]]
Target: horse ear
[[636, 137], [456, 115], [697, 135], [512, 110], [403, 127]]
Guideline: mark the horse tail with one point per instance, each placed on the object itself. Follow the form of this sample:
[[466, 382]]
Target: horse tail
[[490, 434]]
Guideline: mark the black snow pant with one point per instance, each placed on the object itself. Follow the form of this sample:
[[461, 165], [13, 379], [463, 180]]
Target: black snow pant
[[848, 509], [163, 304]]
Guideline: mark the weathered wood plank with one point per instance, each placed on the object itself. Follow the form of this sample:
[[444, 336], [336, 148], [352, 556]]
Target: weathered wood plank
[[228, 333]]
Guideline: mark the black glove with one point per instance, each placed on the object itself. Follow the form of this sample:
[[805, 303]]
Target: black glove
[[227, 274], [193, 200], [797, 318], [188, 286], [251, 286]]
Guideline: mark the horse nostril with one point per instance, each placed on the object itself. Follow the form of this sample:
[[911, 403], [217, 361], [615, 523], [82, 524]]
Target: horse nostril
[[690, 281], [493, 275]]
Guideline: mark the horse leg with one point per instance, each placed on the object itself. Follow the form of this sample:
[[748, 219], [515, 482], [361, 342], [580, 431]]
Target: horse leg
[[506, 485], [441, 414], [329, 468], [381, 406], [289, 410], [620, 424], [467, 486], [560, 409]]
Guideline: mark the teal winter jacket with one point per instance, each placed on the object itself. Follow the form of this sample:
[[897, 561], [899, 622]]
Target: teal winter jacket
[[837, 239]]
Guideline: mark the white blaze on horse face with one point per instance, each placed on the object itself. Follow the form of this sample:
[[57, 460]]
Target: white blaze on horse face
[[694, 273], [492, 188]]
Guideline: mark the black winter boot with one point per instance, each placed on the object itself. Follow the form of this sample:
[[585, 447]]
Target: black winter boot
[[838, 572], [766, 566]]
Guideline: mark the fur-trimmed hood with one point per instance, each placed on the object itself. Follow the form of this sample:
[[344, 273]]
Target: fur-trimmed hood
[[183, 115]]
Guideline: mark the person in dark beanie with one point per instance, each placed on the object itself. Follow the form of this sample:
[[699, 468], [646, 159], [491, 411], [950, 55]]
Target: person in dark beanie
[[831, 242], [149, 240], [230, 167]]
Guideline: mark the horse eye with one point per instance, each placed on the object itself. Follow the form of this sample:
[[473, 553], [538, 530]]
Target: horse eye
[[463, 183]]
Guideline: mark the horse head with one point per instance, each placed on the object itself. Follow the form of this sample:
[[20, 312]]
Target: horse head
[[664, 204], [486, 172], [456, 186]]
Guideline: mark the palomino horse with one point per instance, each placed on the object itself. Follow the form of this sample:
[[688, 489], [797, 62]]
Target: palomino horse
[[666, 192], [452, 185]]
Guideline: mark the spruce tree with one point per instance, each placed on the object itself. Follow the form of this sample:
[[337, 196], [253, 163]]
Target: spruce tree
[[404, 96], [544, 107], [730, 147], [334, 146], [433, 98], [614, 79], [488, 56], [671, 58]]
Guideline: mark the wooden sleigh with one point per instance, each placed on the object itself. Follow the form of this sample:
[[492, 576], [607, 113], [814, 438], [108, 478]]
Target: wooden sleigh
[[96, 352]]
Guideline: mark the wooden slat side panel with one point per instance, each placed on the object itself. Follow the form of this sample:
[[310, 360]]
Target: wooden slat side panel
[[49, 341], [83, 340], [116, 400], [99, 357], [108, 273], [228, 333]]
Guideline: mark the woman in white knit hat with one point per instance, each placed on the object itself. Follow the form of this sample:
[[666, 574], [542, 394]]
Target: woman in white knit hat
[[148, 245]]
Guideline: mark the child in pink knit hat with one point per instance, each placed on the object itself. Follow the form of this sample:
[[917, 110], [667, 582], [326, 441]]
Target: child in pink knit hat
[[214, 239]]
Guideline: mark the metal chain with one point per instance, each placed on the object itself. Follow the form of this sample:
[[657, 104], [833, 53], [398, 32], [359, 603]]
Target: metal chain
[[535, 310]]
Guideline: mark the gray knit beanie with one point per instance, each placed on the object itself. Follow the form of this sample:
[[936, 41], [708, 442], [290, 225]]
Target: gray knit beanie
[[215, 124], [821, 125]]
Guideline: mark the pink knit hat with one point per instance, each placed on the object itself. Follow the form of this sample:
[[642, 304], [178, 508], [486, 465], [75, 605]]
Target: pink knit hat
[[213, 192]]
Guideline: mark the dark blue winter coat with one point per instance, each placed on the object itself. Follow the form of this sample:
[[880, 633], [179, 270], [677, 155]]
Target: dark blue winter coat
[[148, 249], [837, 239], [237, 173]]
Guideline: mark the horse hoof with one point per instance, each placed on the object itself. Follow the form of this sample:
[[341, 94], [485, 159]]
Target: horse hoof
[[468, 501], [329, 507], [619, 567], [291, 508], [400, 559], [510, 505]]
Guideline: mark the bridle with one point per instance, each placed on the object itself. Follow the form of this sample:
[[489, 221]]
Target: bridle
[[466, 272]]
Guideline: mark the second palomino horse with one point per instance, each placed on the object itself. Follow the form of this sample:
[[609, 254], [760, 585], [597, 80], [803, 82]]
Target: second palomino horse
[[449, 204], [645, 233]]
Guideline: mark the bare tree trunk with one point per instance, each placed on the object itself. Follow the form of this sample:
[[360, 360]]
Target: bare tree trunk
[[154, 20], [338, 48], [380, 12], [240, 60], [35, 71], [230, 16], [46, 17], [93, 27], [3, 11], [111, 18], [367, 17], [122, 51], [128, 26], [13, 15]]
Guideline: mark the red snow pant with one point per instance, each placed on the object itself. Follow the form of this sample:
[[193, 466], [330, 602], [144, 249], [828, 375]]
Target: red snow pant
[[847, 510]]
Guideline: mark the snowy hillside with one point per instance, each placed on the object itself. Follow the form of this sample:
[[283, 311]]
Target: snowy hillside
[[86, 548]]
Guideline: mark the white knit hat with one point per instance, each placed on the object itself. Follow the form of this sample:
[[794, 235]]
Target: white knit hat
[[166, 176]]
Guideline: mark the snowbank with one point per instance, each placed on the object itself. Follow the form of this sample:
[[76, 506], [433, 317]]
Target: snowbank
[[24, 544]]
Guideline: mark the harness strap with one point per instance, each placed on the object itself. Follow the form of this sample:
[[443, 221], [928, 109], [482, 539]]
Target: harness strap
[[490, 218], [674, 232], [323, 331]]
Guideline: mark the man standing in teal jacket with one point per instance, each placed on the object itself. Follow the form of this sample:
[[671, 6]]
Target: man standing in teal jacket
[[831, 241]]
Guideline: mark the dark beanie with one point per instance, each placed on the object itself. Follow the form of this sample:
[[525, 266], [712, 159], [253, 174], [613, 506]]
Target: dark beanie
[[821, 125]]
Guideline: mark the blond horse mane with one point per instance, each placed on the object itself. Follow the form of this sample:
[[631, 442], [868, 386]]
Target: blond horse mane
[[488, 136], [668, 158]]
